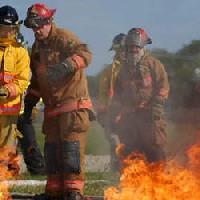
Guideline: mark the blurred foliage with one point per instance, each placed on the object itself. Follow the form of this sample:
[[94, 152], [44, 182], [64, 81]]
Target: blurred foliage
[[180, 67], [193, 49]]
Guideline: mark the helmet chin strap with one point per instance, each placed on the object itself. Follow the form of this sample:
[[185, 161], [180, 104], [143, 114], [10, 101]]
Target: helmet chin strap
[[4, 42]]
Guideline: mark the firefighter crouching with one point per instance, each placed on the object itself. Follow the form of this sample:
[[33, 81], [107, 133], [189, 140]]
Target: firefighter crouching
[[58, 60], [105, 94], [14, 77], [140, 94]]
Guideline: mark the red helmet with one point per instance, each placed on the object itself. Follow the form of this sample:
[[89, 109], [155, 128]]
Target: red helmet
[[38, 15], [138, 37]]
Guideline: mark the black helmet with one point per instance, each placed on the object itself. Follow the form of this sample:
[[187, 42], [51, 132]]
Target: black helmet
[[118, 41], [8, 16]]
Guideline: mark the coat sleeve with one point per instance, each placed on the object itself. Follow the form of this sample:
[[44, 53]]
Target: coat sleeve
[[79, 55], [20, 83], [162, 84]]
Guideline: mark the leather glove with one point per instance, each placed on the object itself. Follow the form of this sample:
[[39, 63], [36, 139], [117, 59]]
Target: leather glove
[[27, 113], [59, 71], [157, 111], [29, 104], [4, 93]]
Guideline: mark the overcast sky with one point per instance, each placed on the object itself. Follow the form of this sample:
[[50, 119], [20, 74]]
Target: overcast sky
[[170, 23]]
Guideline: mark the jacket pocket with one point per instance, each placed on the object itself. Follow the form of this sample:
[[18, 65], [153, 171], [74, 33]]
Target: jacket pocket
[[80, 121], [160, 131]]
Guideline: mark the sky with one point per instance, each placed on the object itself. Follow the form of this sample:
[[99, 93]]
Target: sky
[[170, 23]]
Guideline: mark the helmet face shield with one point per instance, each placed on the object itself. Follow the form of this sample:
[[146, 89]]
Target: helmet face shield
[[35, 22], [137, 37]]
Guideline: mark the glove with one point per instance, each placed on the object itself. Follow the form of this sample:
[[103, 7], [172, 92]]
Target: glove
[[59, 71], [4, 93], [157, 111], [29, 104], [27, 113]]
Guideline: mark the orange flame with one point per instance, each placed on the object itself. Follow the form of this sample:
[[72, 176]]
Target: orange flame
[[140, 180], [5, 160]]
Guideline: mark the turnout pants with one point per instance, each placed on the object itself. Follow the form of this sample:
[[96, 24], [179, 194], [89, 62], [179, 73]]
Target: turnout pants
[[142, 134], [8, 142], [65, 140]]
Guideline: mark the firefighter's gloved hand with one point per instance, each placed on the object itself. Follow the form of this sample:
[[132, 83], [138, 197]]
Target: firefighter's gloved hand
[[29, 104], [59, 71], [28, 108], [4, 93], [23, 118], [157, 111]]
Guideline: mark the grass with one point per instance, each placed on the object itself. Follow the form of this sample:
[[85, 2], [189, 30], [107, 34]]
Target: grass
[[96, 189], [97, 143]]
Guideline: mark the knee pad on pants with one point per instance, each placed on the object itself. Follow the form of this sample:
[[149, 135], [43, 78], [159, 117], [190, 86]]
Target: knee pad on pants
[[50, 155], [71, 156]]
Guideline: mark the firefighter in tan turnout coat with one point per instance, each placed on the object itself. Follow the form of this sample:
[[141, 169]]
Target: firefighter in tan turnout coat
[[14, 77], [105, 93], [139, 98], [58, 60]]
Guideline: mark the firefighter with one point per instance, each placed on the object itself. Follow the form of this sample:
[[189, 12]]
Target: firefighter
[[14, 77], [58, 60], [140, 95], [32, 155], [106, 84]]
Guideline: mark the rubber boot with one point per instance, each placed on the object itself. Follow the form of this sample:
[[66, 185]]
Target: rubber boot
[[73, 195]]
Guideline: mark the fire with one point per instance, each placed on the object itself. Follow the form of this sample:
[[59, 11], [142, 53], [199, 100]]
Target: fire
[[140, 180], [6, 174]]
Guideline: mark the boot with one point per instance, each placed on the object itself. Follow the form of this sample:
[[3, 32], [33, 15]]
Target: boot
[[41, 197], [32, 155], [46, 197], [73, 195], [34, 162]]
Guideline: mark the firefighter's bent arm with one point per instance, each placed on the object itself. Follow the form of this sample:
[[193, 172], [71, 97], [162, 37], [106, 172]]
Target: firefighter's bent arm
[[78, 57]]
